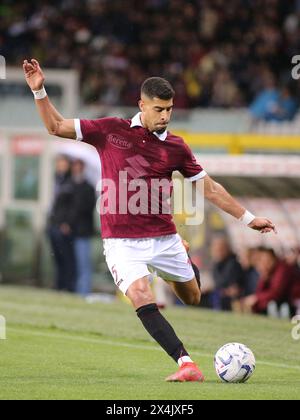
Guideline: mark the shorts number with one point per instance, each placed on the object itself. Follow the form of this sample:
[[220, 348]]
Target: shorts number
[[115, 274]]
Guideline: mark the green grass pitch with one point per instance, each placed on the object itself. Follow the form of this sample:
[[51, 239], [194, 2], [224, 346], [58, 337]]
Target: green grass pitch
[[59, 347]]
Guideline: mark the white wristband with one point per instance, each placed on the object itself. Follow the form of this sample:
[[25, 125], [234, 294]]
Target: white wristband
[[247, 218], [40, 94]]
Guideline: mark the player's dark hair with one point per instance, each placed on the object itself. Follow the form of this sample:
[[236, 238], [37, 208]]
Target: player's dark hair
[[156, 87]]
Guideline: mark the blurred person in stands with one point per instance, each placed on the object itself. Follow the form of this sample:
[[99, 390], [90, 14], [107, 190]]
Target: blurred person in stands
[[273, 103], [60, 227], [287, 105], [227, 274], [247, 260], [292, 258], [275, 281], [225, 92], [84, 201]]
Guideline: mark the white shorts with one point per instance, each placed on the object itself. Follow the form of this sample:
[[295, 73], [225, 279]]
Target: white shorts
[[132, 259]]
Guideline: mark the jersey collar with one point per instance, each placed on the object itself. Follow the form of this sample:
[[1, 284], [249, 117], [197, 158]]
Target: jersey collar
[[136, 122]]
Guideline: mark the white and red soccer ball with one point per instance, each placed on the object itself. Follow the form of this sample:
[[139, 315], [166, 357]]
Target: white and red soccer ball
[[235, 363]]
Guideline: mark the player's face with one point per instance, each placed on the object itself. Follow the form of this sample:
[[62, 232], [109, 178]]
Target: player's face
[[156, 113]]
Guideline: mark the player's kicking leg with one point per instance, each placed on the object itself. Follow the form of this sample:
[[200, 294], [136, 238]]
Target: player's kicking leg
[[141, 296], [195, 268], [189, 293]]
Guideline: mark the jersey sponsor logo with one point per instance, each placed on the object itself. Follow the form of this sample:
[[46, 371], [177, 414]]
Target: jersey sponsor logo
[[119, 142]]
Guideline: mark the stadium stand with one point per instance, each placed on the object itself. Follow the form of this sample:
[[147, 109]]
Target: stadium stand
[[215, 56]]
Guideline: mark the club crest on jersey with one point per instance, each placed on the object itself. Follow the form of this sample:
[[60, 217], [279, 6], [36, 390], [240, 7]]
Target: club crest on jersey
[[119, 142]]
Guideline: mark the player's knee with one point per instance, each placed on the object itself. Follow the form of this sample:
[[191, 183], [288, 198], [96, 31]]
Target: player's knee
[[141, 298], [140, 294]]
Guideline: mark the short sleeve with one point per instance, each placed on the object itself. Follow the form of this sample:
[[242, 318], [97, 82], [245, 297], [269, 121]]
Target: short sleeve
[[190, 168], [90, 131]]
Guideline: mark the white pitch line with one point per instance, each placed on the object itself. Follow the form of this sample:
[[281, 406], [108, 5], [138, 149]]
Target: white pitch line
[[131, 346]]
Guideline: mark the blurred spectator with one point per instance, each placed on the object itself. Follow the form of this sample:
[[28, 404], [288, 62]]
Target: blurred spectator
[[266, 101], [274, 104], [60, 227], [247, 260], [227, 273], [293, 260], [287, 105], [275, 282], [84, 201], [295, 295], [225, 92], [213, 51]]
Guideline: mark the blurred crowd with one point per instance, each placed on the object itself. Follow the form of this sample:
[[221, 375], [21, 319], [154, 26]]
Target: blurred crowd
[[71, 227], [256, 281], [216, 53]]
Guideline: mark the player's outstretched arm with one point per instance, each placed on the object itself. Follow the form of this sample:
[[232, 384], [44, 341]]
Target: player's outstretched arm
[[55, 123], [217, 194]]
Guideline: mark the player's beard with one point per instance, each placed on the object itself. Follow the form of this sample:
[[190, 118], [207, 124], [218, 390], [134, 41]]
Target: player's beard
[[162, 130]]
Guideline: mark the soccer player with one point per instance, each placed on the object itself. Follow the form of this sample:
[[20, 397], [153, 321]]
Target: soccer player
[[143, 150]]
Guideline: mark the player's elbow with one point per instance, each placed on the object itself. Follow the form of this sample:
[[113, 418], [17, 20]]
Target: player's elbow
[[53, 130], [64, 129], [211, 192], [61, 129], [209, 195]]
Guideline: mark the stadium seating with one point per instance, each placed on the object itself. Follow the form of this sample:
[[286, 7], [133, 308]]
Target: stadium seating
[[216, 54]]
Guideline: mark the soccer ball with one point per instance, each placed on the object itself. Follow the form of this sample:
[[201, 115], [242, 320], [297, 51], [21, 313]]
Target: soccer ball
[[235, 363]]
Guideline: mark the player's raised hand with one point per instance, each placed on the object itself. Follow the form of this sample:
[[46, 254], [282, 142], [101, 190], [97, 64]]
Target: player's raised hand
[[33, 74], [263, 225]]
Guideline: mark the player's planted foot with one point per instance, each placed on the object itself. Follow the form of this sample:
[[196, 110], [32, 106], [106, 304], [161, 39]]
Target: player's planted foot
[[189, 372]]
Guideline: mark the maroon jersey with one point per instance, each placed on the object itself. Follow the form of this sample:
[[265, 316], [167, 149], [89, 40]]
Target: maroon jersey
[[132, 158]]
